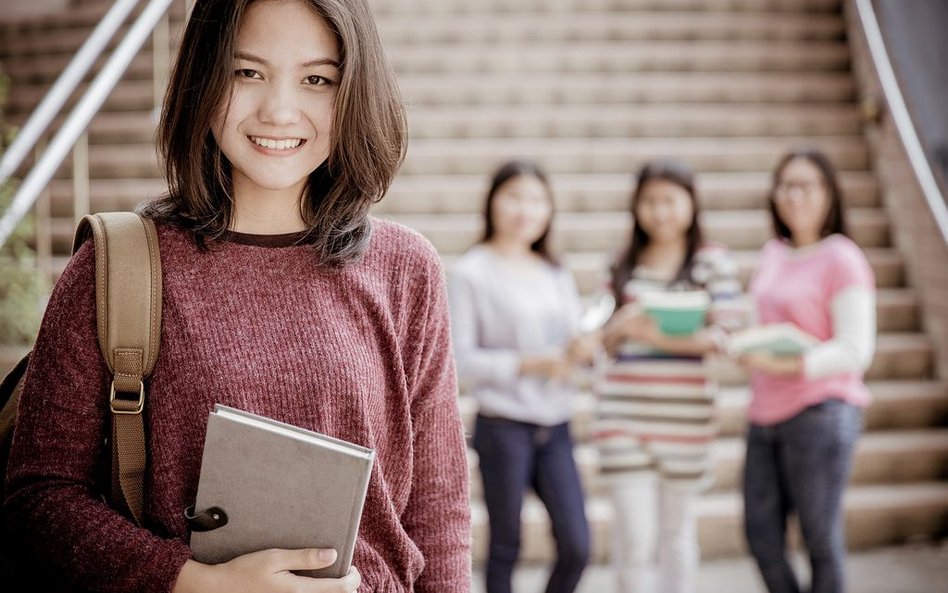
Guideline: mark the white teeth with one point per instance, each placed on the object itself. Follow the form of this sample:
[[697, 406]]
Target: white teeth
[[276, 144]]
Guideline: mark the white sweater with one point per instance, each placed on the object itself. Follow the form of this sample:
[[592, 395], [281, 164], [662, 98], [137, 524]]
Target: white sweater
[[498, 315]]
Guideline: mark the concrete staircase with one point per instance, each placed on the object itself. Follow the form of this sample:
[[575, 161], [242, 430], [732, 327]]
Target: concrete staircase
[[591, 88]]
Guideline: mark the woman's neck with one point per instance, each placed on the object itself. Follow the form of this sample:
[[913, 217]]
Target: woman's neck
[[510, 248], [799, 240], [264, 212], [665, 254]]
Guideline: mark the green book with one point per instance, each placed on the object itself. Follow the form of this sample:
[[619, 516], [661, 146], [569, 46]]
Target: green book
[[781, 339], [678, 313]]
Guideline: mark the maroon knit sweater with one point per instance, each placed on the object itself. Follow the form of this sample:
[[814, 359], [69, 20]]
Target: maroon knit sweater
[[362, 354]]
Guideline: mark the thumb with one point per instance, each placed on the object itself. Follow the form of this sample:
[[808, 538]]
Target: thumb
[[306, 559]]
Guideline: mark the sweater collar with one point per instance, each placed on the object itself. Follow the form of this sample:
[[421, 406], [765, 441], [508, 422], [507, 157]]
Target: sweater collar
[[282, 240]]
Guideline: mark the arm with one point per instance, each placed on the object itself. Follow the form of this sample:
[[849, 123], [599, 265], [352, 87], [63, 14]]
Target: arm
[[475, 364], [59, 465], [854, 336], [437, 516], [849, 351]]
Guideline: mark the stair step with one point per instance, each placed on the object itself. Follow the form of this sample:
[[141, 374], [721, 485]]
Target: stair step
[[441, 28], [106, 195], [896, 405], [477, 156], [887, 265], [608, 231], [605, 231], [897, 310], [588, 267], [128, 95], [625, 121], [82, 15], [382, 8], [400, 29], [624, 57], [881, 458], [459, 194], [646, 87], [46, 68], [533, 89], [556, 156], [613, 57], [18, 43], [456, 194], [591, 121], [875, 515]]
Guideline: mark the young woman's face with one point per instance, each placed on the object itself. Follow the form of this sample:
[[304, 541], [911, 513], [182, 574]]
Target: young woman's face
[[521, 209], [801, 198], [664, 210], [277, 128]]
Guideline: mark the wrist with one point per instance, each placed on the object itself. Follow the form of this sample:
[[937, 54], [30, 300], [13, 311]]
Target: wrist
[[529, 365], [196, 577]]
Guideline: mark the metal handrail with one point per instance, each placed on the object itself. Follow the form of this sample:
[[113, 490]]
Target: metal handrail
[[82, 113], [901, 117], [63, 88]]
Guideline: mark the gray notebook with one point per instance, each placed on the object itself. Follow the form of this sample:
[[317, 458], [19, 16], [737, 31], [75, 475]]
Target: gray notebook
[[280, 487]]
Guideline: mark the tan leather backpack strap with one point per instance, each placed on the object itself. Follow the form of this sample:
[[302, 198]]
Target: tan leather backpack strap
[[128, 315]]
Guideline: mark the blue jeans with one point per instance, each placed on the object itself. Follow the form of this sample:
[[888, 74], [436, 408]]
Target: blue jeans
[[515, 456], [800, 466]]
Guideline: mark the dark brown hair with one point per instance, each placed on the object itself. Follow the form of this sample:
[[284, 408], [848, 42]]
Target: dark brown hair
[[681, 175], [505, 173], [835, 222], [367, 146]]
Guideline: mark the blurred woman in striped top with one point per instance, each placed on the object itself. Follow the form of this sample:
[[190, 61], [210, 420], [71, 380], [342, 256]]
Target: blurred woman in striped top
[[655, 413]]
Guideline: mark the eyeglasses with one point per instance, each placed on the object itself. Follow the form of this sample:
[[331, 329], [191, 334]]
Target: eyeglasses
[[807, 188]]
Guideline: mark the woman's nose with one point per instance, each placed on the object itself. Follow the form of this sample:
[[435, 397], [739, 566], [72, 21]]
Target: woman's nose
[[279, 106]]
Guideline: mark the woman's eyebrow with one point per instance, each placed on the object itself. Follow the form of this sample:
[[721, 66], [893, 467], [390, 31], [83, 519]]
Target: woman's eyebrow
[[243, 55], [321, 62]]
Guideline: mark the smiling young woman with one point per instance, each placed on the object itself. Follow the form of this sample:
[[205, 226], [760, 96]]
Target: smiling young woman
[[281, 296], [332, 88]]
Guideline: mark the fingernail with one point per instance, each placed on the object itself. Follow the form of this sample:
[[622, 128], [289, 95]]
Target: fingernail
[[327, 555]]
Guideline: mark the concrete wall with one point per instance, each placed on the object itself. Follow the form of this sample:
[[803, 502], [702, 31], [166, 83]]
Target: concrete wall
[[915, 33], [915, 232]]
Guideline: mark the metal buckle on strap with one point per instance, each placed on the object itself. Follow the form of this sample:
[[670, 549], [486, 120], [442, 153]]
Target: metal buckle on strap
[[139, 405]]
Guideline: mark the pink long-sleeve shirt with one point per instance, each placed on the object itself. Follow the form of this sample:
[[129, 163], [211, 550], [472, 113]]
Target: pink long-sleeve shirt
[[362, 354], [827, 290]]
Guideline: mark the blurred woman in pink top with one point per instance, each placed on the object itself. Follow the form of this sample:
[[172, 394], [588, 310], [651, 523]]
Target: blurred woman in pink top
[[806, 410]]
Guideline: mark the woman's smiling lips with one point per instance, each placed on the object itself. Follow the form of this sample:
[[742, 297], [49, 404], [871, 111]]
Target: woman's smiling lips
[[276, 146]]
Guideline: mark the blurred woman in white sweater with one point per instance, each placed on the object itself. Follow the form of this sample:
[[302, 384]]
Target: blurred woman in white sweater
[[515, 313]]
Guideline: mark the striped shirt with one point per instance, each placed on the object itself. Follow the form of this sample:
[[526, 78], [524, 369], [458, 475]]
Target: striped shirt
[[655, 410]]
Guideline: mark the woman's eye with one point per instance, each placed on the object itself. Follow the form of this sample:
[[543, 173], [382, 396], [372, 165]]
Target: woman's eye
[[316, 80], [248, 73]]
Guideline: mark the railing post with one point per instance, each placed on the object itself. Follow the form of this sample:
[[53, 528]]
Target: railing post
[[161, 60], [80, 178], [42, 224]]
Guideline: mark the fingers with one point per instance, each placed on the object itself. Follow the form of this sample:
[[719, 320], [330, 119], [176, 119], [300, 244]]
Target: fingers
[[352, 580], [347, 584]]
